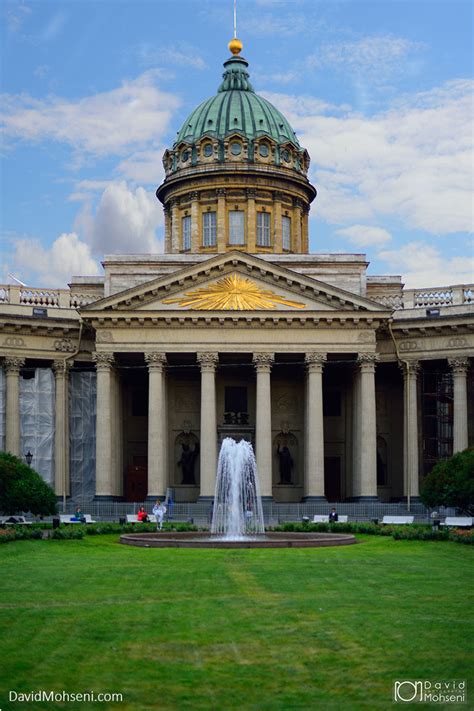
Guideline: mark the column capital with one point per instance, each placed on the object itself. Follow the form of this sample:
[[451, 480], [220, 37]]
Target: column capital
[[298, 203], [315, 361], [61, 368], [459, 366], [207, 361], [103, 361], [367, 362], [221, 192], [194, 195], [155, 360], [250, 193], [13, 364], [263, 362], [410, 369], [277, 195]]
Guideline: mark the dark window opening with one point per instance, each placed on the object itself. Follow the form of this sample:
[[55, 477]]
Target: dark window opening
[[236, 399], [139, 402], [332, 406]]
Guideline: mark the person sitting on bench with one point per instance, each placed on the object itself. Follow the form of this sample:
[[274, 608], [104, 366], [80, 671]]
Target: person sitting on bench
[[333, 517], [79, 516], [142, 515]]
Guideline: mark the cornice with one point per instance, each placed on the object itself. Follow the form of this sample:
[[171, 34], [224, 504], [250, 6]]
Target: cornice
[[368, 322]]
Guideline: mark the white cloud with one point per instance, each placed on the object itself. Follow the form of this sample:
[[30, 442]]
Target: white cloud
[[108, 123], [423, 265], [125, 221], [413, 163], [52, 267], [144, 167], [15, 15], [278, 77], [365, 235], [182, 55], [379, 55]]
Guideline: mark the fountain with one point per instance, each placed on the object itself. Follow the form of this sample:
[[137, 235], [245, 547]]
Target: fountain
[[237, 513], [237, 519]]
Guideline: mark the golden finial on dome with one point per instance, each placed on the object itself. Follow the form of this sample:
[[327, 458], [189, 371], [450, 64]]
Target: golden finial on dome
[[235, 46]]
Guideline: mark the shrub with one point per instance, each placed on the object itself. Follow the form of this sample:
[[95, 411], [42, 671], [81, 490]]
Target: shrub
[[460, 536], [451, 483], [23, 489], [69, 533]]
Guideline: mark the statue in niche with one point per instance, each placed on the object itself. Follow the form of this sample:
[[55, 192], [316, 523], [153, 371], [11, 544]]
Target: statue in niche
[[286, 464], [187, 462]]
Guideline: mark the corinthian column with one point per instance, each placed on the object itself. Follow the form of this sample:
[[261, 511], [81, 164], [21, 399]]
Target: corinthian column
[[459, 367], [61, 428], [175, 226], [208, 444], [221, 220], [263, 431], [367, 429], [314, 428], [411, 486], [157, 424], [195, 243], [12, 370], [105, 474]]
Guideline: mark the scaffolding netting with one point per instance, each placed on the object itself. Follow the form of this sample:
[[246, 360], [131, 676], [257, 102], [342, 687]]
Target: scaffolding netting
[[82, 419], [37, 420]]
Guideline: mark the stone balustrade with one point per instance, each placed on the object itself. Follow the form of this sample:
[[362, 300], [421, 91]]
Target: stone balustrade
[[14, 294]]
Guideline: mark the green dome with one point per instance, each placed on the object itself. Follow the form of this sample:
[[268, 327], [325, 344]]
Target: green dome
[[236, 108]]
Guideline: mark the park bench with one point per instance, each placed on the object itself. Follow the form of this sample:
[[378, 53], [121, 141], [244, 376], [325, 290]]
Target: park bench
[[325, 518], [15, 521], [67, 518], [458, 521], [398, 520], [133, 518]]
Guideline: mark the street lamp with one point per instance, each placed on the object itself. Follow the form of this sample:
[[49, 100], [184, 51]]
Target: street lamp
[[28, 458]]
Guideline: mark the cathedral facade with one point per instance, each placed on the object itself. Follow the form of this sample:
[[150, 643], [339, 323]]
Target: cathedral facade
[[349, 386]]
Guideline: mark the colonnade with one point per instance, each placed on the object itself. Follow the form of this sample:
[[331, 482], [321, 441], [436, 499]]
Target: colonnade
[[108, 438], [208, 362]]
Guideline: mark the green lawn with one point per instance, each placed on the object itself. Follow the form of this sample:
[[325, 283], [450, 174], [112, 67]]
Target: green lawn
[[274, 630]]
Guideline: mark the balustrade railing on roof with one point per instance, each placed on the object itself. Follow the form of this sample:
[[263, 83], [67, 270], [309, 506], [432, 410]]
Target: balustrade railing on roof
[[49, 298]]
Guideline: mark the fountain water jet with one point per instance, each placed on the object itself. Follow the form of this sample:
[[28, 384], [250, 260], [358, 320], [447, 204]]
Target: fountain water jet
[[237, 512], [237, 520]]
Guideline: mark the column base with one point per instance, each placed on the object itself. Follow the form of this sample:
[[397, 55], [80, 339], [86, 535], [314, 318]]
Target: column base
[[413, 499], [363, 499], [107, 497], [316, 499]]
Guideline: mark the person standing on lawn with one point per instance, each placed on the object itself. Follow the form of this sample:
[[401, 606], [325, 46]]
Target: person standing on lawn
[[159, 511]]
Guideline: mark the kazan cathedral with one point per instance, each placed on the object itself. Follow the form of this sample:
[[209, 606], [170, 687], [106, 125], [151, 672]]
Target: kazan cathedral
[[122, 387]]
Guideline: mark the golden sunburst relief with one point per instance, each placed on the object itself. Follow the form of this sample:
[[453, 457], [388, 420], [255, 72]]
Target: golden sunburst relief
[[232, 293]]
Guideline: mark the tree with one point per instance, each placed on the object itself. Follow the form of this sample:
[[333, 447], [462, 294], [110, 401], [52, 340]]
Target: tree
[[451, 483], [23, 489]]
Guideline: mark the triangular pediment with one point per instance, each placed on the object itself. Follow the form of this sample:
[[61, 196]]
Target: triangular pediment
[[235, 281]]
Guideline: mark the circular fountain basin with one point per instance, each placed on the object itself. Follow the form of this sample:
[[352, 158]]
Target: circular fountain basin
[[202, 539]]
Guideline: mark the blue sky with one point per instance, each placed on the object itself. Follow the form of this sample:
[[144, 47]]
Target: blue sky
[[379, 92]]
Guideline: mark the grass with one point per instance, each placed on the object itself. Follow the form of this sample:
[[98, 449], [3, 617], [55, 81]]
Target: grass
[[259, 630]]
